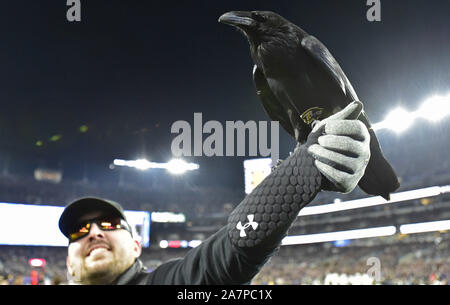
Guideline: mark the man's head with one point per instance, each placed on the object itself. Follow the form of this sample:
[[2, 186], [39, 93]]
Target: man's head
[[101, 245]]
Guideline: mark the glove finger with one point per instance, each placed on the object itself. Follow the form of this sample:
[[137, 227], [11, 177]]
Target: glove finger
[[334, 176], [318, 125], [334, 159], [351, 128], [344, 145], [352, 111]]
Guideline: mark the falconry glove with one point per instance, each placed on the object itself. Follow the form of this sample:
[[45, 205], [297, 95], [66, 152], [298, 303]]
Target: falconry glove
[[343, 149]]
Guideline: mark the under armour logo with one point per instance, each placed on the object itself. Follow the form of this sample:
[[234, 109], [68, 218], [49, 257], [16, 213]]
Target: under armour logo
[[250, 222]]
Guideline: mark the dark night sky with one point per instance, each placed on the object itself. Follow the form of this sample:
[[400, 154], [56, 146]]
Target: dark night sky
[[130, 69]]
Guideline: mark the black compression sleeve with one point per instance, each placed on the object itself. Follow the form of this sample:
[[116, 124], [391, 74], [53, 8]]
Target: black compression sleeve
[[262, 219]]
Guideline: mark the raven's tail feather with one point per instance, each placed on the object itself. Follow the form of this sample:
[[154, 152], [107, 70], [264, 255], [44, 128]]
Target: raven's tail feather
[[379, 178]]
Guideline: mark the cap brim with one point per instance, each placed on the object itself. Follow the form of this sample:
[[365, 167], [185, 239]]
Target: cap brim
[[80, 207]]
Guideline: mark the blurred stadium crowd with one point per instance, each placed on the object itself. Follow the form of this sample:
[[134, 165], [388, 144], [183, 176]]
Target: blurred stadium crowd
[[419, 259], [419, 155]]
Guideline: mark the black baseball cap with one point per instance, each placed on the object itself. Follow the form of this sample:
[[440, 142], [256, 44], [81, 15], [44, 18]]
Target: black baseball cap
[[75, 210]]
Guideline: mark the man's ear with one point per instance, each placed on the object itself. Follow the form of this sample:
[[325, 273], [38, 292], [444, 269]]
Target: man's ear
[[137, 248], [68, 265]]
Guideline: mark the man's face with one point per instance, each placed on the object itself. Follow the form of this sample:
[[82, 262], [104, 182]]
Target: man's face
[[101, 256]]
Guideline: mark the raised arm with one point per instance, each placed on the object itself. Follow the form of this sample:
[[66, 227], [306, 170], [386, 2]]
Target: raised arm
[[333, 158]]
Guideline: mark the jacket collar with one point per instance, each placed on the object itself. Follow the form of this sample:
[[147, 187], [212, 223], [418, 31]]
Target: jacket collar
[[130, 276]]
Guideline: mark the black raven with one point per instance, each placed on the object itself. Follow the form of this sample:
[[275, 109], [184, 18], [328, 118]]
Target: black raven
[[299, 82]]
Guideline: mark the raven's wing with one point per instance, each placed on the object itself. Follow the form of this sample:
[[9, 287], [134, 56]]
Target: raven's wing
[[270, 103], [322, 56], [380, 177]]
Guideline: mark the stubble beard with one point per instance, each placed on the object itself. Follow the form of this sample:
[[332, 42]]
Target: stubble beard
[[100, 269]]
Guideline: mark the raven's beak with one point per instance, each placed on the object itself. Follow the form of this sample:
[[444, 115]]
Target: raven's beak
[[237, 18]]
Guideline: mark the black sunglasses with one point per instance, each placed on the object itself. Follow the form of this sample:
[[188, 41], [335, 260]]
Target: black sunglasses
[[105, 224]]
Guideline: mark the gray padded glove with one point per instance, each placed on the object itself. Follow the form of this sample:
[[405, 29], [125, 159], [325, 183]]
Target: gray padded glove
[[343, 151]]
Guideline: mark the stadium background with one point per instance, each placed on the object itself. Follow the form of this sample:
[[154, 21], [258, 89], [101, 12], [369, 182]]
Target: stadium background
[[75, 96]]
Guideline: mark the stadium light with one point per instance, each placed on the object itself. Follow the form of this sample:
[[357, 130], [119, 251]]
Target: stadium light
[[175, 166], [373, 201], [442, 225], [341, 235], [194, 243], [423, 227], [142, 164], [163, 244], [371, 232], [433, 109], [168, 217], [178, 166], [397, 120]]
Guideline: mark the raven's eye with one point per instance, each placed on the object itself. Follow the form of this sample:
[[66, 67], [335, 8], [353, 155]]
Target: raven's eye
[[259, 17]]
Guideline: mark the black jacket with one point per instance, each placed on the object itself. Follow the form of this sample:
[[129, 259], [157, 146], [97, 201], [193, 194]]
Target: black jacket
[[214, 262]]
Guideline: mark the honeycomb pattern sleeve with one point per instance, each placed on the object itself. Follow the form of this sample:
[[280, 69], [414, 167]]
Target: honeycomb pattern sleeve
[[263, 218]]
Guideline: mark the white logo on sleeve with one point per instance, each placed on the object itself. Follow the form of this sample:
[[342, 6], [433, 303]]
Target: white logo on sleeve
[[250, 222]]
